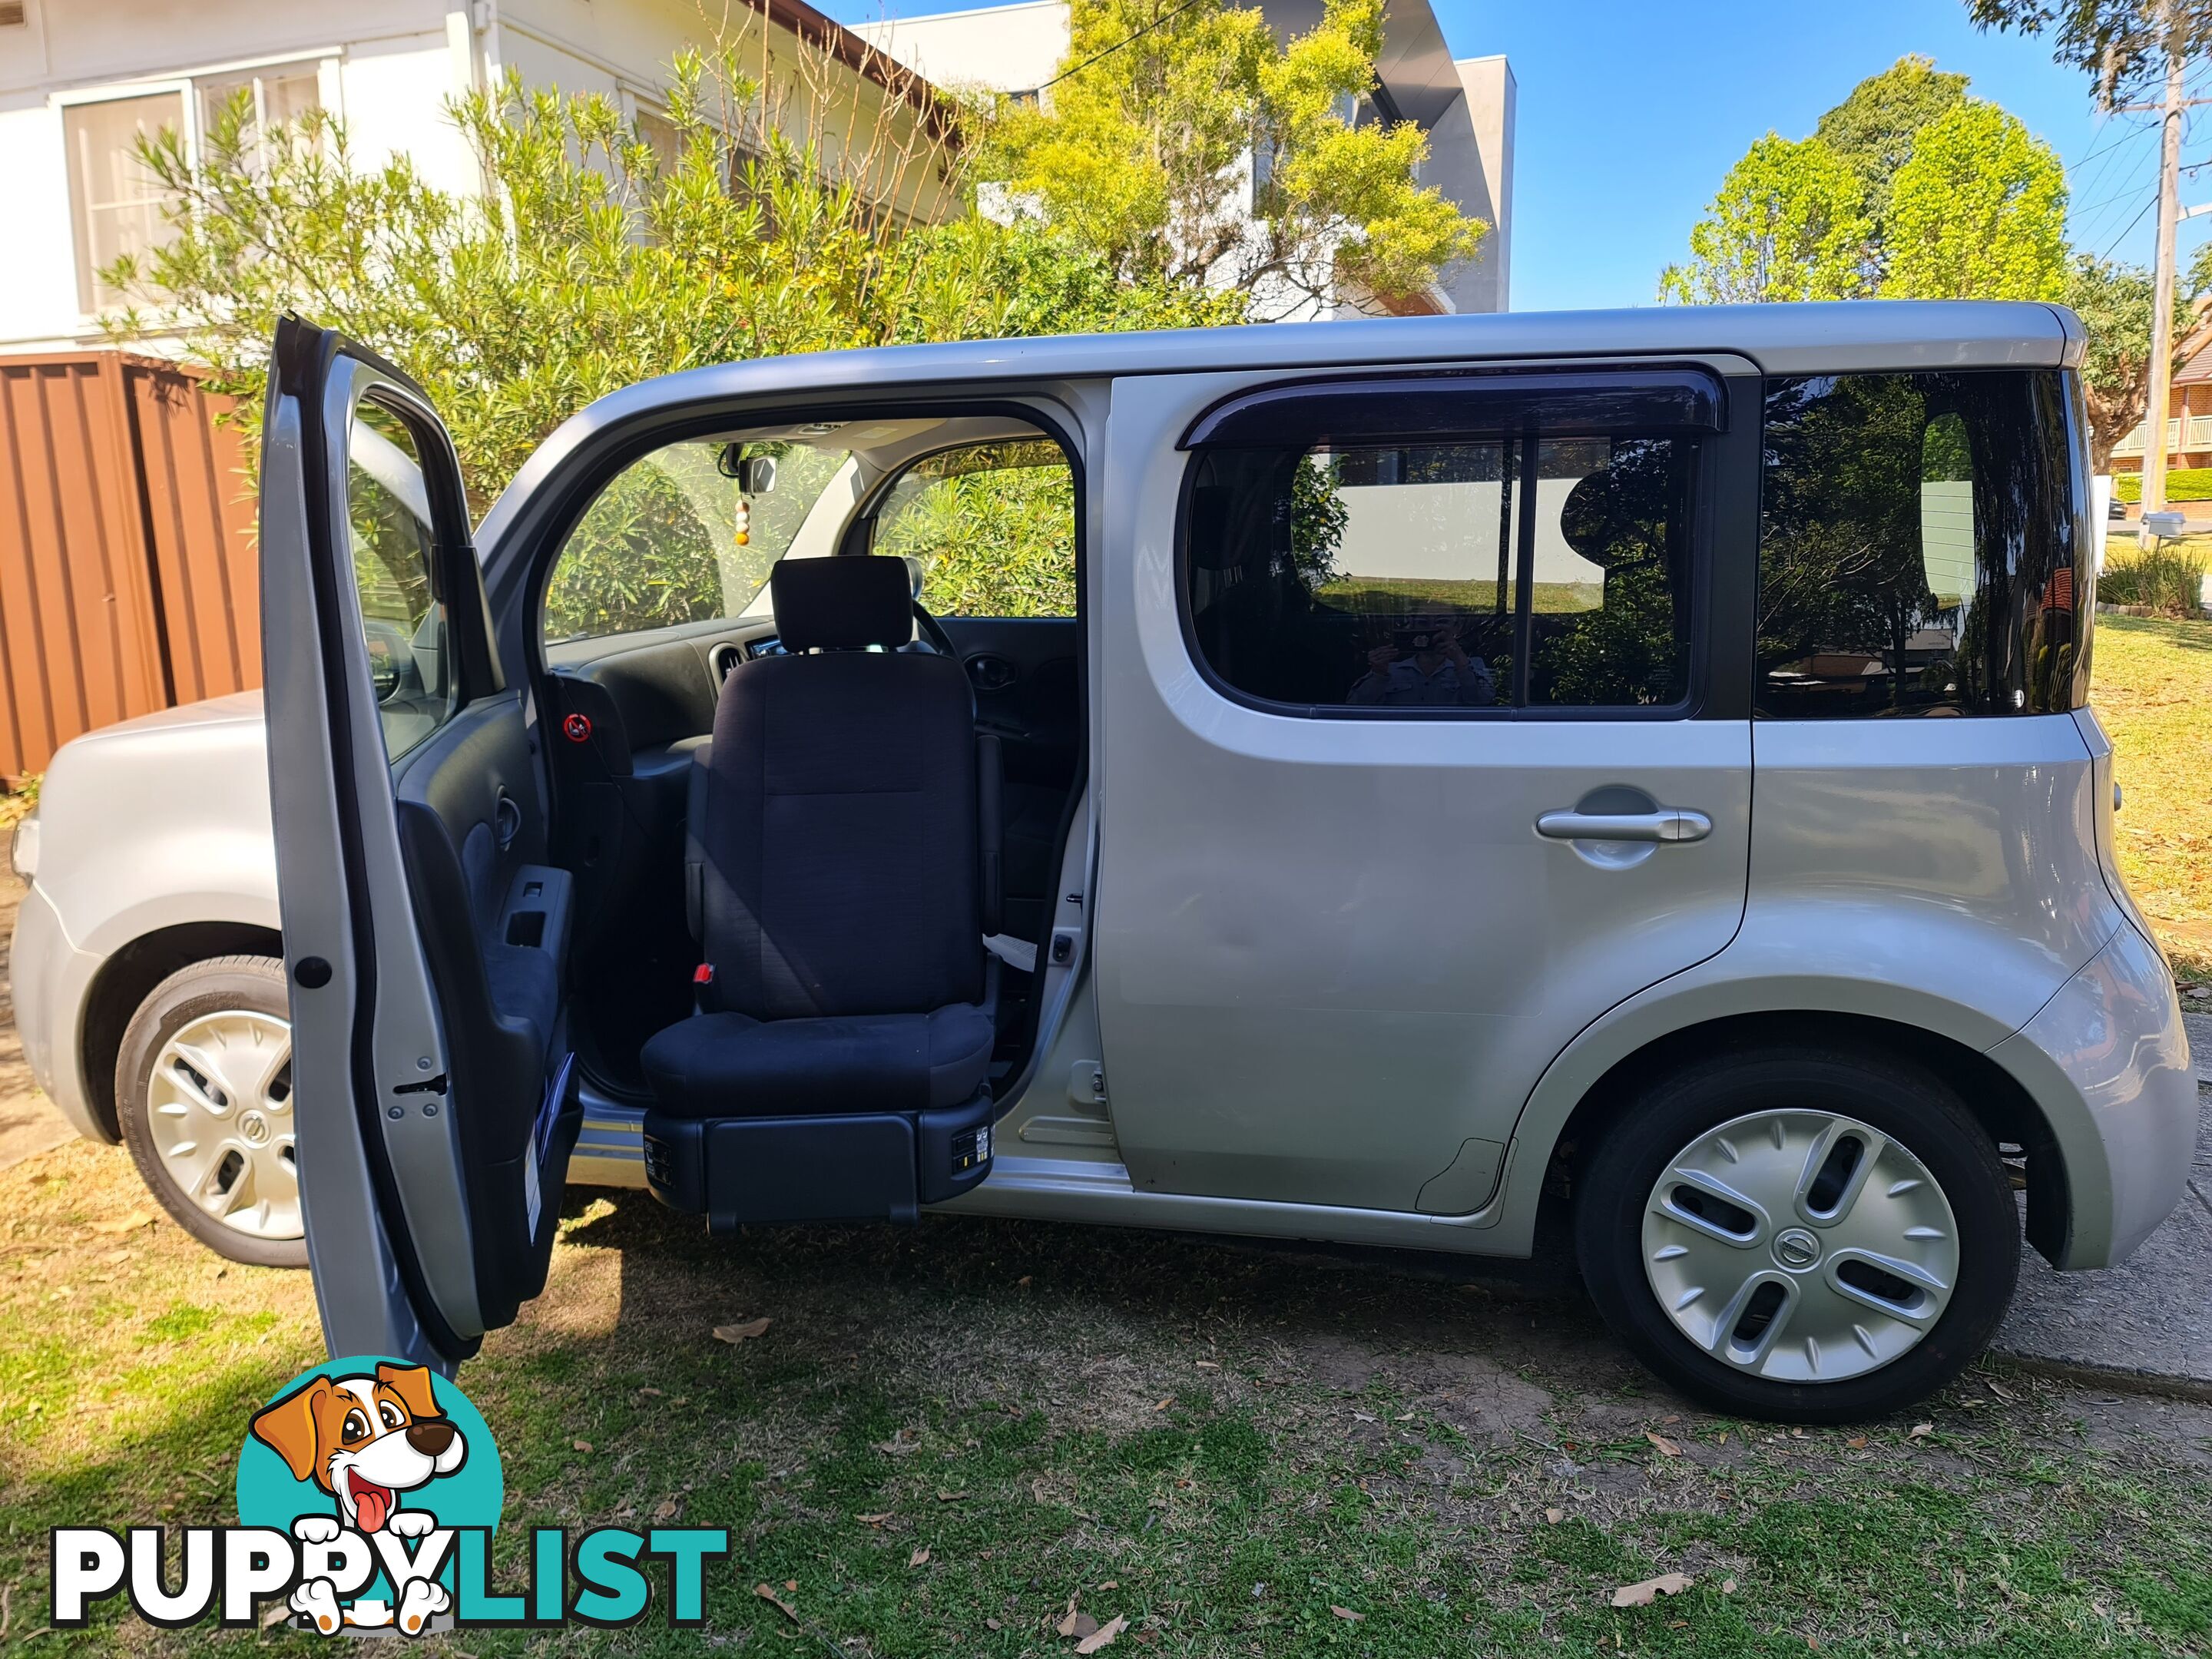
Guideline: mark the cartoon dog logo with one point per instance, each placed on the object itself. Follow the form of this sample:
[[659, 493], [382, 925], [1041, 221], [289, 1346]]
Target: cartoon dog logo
[[366, 1440]]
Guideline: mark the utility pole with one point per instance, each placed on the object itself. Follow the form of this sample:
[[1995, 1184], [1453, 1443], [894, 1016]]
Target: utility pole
[[2162, 321]]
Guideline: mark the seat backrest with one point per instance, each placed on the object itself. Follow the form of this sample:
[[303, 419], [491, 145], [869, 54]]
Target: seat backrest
[[840, 832]]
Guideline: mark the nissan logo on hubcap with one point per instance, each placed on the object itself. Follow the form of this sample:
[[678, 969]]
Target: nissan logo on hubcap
[[1796, 1250]]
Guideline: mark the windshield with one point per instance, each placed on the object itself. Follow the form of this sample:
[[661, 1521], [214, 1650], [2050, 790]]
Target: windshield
[[676, 537]]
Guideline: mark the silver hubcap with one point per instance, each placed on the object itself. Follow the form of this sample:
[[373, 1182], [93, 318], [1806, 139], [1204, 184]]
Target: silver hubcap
[[1800, 1246], [219, 1105]]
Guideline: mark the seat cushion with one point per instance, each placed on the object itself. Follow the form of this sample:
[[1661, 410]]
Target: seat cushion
[[730, 1065]]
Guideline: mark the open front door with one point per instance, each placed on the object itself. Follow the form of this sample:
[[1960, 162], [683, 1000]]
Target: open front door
[[425, 934]]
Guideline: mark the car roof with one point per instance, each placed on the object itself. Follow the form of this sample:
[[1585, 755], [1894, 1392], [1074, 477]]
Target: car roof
[[1835, 337]]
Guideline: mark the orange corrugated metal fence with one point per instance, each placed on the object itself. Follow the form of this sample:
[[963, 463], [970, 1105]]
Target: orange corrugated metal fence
[[127, 574]]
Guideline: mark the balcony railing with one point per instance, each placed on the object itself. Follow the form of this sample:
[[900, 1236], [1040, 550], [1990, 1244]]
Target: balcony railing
[[2199, 437]]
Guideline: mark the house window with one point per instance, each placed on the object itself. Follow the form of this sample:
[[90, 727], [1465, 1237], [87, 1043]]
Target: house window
[[117, 206], [275, 96]]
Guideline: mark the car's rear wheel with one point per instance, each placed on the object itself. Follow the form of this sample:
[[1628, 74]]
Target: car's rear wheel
[[1813, 1237], [203, 1093]]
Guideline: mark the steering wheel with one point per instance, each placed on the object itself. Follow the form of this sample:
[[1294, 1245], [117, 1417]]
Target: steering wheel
[[933, 634]]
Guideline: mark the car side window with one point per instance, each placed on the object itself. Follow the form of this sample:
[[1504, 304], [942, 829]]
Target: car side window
[[1483, 574], [992, 525], [403, 619], [686, 534], [1919, 538]]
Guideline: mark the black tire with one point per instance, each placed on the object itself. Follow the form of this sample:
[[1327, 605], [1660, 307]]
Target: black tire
[[1900, 1100], [251, 984]]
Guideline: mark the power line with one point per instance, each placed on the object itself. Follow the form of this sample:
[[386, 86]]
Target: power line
[[2130, 225], [1156, 22]]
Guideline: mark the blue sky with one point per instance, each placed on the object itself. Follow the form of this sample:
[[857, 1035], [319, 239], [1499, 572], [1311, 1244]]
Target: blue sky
[[1631, 111]]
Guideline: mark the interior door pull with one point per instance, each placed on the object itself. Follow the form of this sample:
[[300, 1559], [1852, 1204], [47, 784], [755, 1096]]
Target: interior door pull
[[1668, 823]]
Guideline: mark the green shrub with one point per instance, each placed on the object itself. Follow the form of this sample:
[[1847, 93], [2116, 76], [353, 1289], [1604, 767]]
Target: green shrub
[[2167, 578], [2186, 483]]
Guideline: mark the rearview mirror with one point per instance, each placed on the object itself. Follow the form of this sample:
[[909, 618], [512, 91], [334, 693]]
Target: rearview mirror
[[755, 474]]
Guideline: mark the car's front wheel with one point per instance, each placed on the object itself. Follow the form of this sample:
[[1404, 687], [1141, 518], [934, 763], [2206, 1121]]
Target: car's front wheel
[[1815, 1237], [203, 1093]]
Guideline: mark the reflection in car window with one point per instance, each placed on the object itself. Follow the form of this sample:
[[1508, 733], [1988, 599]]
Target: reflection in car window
[[993, 525], [403, 622], [1918, 547], [674, 538], [1389, 577]]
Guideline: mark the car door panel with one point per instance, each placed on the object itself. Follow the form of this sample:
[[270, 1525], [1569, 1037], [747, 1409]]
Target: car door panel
[[1332, 953], [427, 1049]]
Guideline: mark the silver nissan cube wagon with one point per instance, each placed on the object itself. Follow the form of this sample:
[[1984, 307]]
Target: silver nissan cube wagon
[[1366, 781]]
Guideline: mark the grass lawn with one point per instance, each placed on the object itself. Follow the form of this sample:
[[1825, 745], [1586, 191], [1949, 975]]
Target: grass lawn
[[1221, 1445], [2152, 686]]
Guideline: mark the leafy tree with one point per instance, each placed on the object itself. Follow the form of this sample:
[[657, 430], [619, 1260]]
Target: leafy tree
[[590, 262], [2122, 43], [2114, 301], [1789, 224], [1873, 130], [1979, 212], [1187, 145]]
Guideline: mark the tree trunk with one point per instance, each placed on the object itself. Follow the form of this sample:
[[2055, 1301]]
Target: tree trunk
[[2113, 416]]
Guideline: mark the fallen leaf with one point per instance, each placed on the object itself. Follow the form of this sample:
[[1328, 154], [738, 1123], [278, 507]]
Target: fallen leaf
[[1078, 1624], [581, 1445], [1104, 1635], [1796, 1434], [2001, 1392], [777, 1601], [1724, 1439], [276, 1616], [1024, 1279], [1666, 1448], [744, 1333], [1650, 1590], [1208, 1365], [650, 1393], [1856, 1442], [130, 1223], [1361, 1417], [992, 1624], [944, 1496], [1920, 1431], [1164, 1404], [1346, 1613], [1406, 1416], [1553, 1517], [1728, 1586], [1066, 1626], [919, 1558], [1111, 1584], [875, 1520], [665, 1509]]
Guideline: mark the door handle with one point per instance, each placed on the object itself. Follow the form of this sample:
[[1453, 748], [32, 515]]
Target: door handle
[[1668, 823]]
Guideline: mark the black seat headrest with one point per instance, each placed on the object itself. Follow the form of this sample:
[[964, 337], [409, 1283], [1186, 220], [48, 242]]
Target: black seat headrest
[[841, 603]]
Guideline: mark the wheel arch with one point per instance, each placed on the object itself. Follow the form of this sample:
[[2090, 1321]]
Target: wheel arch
[[128, 975], [2008, 1113]]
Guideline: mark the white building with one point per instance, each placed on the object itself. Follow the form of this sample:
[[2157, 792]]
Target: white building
[[1465, 106], [80, 80]]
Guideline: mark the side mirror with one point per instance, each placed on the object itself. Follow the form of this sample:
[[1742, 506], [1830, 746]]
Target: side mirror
[[754, 474]]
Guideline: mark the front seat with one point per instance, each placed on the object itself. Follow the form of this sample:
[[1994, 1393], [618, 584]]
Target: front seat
[[844, 863]]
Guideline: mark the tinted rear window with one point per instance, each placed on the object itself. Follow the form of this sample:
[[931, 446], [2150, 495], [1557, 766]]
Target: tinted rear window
[[1919, 542]]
